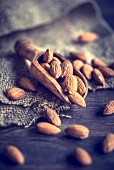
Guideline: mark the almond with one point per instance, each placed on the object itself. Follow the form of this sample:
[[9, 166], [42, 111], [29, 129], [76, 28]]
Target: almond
[[14, 154], [77, 131], [79, 55], [70, 83], [98, 62], [106, 71], [82, 156], [81, 88], [88, 37], [66, 68], [77, 99], [53, 117], [56, 59], [48, 56], [108, 143], [98, 76], [15, 93], [46, 66], [109, 108], [27, 84], [87, 71], [55, 69], [47, 128], [77, 64]]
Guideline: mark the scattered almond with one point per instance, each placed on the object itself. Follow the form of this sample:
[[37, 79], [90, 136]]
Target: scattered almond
[[77, 131], [98, 76], [88, 37], [27, 84], [66, 68], [55, 69], [108, 143], [87, 71], [14, 154], [48, 56], [53, 117], [15, 93], [81, 88], [109, 108], [98, 62], [106, 71], [70, 82], [77, 99], [48, 129], [77, 64], [79, 55], [46, 66], [82, 156]]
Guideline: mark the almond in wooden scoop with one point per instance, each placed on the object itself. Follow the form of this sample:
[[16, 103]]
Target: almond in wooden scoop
[[108, 143], [87, 71], [27, 84]]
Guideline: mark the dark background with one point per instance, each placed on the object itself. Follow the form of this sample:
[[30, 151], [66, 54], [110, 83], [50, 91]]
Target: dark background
[[56, 153]]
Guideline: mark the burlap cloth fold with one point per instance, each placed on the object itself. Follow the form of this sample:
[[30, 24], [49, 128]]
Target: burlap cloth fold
[[51, 23]]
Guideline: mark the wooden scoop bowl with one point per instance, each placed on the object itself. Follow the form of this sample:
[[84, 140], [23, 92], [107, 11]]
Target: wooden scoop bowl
[[30, 52]]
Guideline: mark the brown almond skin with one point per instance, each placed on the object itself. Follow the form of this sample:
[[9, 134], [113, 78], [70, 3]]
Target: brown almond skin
[[77, 64], [55, 69], [77, 99], [107, 72], [87, 71], [48, 129], [98, 76], [88, 37], [15, 93], [48, 56], [56, 59], [53, 117], [81, 88], [46, 66], [70, 82], [79, 55], [109, 108], [108, 143], [77, 131], [83, 157], [66, 68], [98, 62], [27, 84], [15, 155]]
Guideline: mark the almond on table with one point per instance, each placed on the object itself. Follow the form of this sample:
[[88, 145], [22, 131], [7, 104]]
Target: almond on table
[[88, 37], [98, 62], [15, 93], [70, 82], [106, 71], [79, 55], [109, 108], [27, 84], [14, 154], [77, 131]]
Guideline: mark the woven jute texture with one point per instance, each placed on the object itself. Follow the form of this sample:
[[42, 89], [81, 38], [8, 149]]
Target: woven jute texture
[[59, 32]]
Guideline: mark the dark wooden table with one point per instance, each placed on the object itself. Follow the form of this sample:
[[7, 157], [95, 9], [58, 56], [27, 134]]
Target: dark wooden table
[[57, 152]]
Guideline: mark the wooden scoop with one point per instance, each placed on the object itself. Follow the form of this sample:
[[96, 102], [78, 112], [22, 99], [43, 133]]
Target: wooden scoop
[[29, 51]]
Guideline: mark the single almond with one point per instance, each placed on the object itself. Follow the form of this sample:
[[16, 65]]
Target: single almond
[[15, 93], [48, 56], [47, 128], [77, 99], [87, 71], [109, 108], [70, 82], [106, 71], [14, 154], [79, 55], [82, 156], [27, 84], [66, 68], [98, 76], [98, 62], [56, 59], [88, 37], [108, 143], [77, 64], [77, 131], [55, 69], [53, 117], [81, 88], [46, 66]]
